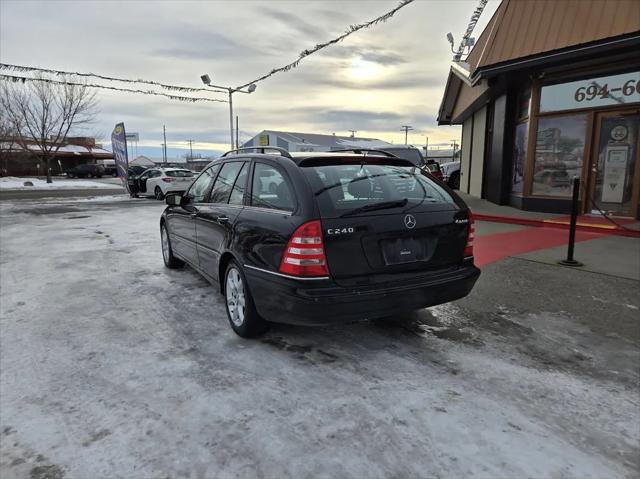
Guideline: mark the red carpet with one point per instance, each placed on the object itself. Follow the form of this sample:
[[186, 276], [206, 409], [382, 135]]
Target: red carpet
[[491, 248]]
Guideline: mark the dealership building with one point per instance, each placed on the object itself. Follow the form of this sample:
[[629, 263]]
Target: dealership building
[[549, 92]]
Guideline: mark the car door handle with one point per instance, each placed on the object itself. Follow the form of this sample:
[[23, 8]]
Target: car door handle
[[222, 219], [194, 213]]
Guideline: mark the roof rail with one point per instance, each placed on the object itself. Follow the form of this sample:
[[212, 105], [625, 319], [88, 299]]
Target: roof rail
[[282, 151], [360, 151]]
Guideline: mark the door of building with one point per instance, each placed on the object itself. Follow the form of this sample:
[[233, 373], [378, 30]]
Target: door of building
[[614, 183]]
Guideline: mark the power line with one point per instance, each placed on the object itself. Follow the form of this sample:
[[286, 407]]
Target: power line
[[352, 29], [23, 69], [16, 79]]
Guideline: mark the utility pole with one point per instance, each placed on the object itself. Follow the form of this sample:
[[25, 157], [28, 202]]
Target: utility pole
[[426, 148], [163, 152], [190, 149], [353, 133], [164, 133], [237, 135], [454, 144], [406, 129]]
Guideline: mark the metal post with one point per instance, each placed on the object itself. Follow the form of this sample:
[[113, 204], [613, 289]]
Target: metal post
[[231, 116], [237, 130], [164, 132], [572, 228]]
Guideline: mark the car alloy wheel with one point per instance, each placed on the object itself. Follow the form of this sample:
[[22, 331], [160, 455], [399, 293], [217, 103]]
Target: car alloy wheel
[[165, 244], [170, 260], [236, 299], [158, 193]]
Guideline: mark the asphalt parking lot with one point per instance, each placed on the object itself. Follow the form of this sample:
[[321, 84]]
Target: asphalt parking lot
[[114, 366]]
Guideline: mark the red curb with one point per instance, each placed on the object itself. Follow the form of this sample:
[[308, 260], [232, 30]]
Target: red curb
[[547, 224]]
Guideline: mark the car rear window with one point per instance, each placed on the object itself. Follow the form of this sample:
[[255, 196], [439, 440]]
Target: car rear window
[[344, 187], [411, 154], [179, 173]]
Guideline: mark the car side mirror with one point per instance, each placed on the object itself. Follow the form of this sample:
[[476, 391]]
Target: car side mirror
[[174, 199]]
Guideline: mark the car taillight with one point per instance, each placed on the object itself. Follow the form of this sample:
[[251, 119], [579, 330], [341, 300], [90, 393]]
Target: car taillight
[[167, 180], [468, 249], [304, 255]]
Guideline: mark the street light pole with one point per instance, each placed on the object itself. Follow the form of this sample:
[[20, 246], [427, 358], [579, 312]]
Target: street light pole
[[231, 117], [250, 89]]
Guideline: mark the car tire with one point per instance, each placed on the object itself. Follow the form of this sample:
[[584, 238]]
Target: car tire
[[170, 261], [241, 311], [454, 180], [159, 195]]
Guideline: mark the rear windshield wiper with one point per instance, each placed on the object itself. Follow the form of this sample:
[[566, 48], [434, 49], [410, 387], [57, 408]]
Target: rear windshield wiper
[[376, 206]]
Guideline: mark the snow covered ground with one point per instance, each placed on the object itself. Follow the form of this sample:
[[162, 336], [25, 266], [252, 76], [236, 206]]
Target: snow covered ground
[[15, 183], [113, 366]]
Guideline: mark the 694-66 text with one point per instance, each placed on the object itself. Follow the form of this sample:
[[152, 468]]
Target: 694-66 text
[[594, 90]]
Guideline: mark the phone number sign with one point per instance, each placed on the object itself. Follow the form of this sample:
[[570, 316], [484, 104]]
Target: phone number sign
[[596, 92]]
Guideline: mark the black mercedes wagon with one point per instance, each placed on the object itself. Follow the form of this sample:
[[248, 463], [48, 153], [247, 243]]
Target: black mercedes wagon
[[317, 238]]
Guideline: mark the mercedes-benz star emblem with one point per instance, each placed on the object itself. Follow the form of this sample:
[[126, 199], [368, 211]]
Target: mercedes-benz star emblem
[[410, 221]]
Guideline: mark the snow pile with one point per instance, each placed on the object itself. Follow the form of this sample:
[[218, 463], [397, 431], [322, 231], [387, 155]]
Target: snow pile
[[14, 183]]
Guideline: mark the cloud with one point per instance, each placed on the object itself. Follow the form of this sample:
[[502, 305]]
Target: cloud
[[372, 53], [292, 21], [327, 120], [191, 43], [176, 42]]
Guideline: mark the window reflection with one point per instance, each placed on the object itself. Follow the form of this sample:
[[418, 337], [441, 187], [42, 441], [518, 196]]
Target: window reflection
[[559, 154], [519, 156]]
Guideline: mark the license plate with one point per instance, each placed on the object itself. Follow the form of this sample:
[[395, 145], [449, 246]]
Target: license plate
[[407, 250]]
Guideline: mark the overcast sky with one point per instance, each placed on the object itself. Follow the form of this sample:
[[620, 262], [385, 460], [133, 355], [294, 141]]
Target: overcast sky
[[390, 75]]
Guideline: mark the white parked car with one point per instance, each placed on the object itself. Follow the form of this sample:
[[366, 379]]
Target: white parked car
[[157, 182], [451, 173]]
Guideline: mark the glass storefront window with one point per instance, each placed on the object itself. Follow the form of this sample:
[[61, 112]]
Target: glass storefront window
[[524, 101], [519, 156], [559, 154]]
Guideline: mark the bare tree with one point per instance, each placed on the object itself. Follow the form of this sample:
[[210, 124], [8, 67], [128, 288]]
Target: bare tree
[[42, 114], [7, 140]]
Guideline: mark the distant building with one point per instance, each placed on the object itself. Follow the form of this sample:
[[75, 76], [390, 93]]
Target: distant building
[[549, 92], [197, 164], [15, 160], [142, 160], [291, 141], [443, 155]]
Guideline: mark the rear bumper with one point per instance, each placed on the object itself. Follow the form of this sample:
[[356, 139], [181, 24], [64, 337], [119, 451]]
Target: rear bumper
[[176, 187], [317, 302]]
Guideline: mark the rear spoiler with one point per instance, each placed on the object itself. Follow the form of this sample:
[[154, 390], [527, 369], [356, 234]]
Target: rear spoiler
[[364, 151], [333, 159]]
